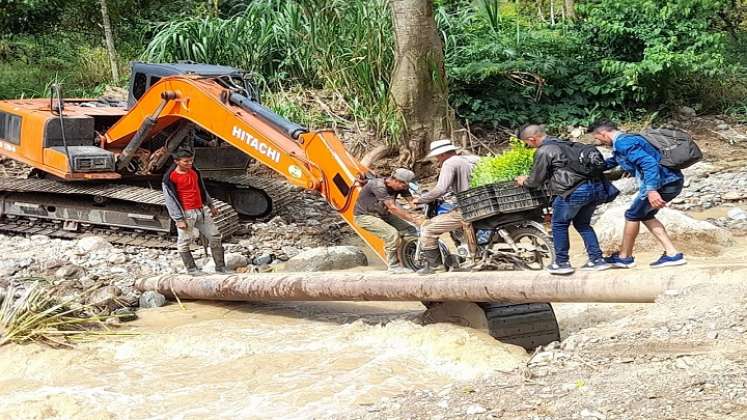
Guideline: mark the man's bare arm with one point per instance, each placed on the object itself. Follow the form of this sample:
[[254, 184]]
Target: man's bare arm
[[400, 212]]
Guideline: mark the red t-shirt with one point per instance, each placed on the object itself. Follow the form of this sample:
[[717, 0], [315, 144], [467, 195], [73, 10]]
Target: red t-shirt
[[188, 189]]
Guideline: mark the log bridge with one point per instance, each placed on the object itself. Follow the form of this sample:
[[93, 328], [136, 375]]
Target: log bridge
[[502, 303]]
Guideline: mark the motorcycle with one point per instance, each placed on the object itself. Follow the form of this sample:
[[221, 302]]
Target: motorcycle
[[510, 241]]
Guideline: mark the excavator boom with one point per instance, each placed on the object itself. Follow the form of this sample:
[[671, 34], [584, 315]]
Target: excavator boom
[[316, 161]]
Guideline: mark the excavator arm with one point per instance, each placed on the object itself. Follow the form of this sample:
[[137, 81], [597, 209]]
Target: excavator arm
[[313, 160]]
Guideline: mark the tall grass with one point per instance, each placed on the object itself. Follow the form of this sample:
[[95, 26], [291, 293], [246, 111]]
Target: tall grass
[[339, 45], [36, 315]]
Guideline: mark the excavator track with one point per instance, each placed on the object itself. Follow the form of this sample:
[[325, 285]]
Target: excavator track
[[124, 214], [278, 192], [528, 325]]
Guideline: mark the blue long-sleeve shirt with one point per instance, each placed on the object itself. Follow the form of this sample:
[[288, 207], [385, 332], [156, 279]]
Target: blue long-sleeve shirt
[[638, 157]]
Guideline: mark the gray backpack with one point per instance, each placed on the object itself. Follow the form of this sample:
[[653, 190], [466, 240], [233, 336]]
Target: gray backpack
[[678, 149]]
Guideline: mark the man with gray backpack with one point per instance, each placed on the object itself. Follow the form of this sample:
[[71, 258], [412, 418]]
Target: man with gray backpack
[[655, 157]]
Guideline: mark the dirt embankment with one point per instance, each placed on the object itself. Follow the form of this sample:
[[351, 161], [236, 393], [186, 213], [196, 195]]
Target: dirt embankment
[[681, 358]]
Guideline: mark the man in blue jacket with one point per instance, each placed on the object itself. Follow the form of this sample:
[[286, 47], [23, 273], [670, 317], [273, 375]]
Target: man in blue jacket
[[658, 186]]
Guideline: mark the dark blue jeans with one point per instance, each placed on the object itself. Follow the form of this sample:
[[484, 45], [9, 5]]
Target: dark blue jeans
[[577, 208]]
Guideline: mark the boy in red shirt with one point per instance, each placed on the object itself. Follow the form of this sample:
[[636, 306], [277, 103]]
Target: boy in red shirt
[[187, 200]]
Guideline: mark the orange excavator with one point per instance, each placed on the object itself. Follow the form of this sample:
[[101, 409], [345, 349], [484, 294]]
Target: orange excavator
[[93, 160], [97, 166]]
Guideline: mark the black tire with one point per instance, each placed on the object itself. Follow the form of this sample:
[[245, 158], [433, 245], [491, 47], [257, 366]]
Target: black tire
[[406, 253], [407, 249], [528, 325]]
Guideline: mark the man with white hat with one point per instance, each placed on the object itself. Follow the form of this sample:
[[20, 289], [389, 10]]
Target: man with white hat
[[454, 177], [377, 212]]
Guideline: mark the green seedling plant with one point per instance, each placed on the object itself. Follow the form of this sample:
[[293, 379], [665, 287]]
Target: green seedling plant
[[515, 161]]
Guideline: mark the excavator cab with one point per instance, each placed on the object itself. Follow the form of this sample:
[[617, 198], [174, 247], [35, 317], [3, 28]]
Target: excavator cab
[[145, 75]]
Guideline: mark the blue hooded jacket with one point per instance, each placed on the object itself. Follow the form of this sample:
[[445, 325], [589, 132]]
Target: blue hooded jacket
[[638, 157]]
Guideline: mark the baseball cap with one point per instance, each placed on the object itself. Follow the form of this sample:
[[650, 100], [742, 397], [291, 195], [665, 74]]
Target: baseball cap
[[404, 175]]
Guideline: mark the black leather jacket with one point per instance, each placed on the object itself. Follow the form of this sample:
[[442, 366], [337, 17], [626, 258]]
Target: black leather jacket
[[550, 164]]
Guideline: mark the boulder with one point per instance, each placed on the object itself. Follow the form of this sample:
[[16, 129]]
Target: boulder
[[686, 111], [737, 214], [93, 243], [117, 258], [69, 271], [627, 186], [8, 268], [577, 132], [233, 261], [263, 259], [104, 297], [691, 236], [324, 259], [734, 196], [151, 299]]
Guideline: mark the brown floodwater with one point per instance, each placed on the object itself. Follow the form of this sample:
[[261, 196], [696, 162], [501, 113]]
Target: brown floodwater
[[244, 360]]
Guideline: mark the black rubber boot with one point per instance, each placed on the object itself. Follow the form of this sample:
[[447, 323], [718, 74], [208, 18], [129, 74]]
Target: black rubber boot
[[432, 263], [189, 264], [219, 259]]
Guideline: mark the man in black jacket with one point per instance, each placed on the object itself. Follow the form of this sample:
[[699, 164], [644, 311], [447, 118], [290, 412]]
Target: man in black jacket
[[577, 197], [191, 207]]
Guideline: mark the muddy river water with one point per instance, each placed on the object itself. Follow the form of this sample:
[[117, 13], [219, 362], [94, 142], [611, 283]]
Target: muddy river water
[[289, 360]]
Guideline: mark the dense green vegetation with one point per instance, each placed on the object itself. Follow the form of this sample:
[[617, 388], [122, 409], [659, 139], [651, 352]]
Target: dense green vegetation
[[506, 64]]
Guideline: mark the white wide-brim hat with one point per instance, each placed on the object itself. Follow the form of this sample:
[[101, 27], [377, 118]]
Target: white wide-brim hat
[[439, 147]]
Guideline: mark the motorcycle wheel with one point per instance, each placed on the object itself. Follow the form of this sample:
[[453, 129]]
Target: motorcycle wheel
[[538, 250], [408, 249]]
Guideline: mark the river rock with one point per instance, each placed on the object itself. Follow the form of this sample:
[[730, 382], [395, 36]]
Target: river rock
[[686, 111], [233, 261], [8, 268], [475, 409], [151, 299], [69, 271], [117, 258], [324, 259], [689, 235], [93, 243], [627, 186], [263, 259], [104, 297], [733, 196], [737, 214]]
